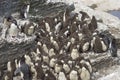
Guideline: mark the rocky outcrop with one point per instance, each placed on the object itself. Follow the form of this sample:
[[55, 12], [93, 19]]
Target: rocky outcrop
[[9, 51]]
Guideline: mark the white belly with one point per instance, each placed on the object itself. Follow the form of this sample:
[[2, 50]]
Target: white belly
[[13, 30]]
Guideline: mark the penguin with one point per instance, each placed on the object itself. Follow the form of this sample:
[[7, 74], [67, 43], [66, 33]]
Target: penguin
[[36, 56], [93, 24], [39, 70], [80, 35], [58, 66], [46, 58], [66, 68], [52, 62], [18, 76], [51, 52], [50, 23], [84, 45], [66, 15], [28, 59], [62, 76], [73, 75], [47, 26], [11, 67], [44, 46], [85, 74], [96, 44], [24, 69], [87, 63], [104, 45], [110, 41], [13, 30], [12, 27], [74, 18], [58, 27], [85, 31], [78, 67], [49, 75], [56, 45], [73, 27], [74, 53], [29, 29], [68, 46], [45, 67], [113, 47], [107, 39], [72, 40], [84, 15], [67, 33], [24, 11], [8, 19], [38, 51]]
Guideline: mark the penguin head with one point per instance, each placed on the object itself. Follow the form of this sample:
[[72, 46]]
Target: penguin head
[[76, 16], [39, 43], [8, 20], [84, 15]]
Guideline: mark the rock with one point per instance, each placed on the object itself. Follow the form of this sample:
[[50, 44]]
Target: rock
[[9, 51]]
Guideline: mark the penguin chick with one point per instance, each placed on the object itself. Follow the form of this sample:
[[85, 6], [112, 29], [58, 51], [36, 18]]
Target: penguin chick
[[85, 75], [73, 75], [51, 52], [52, 62], [61, 76], [66, 67], [74, 54], [45, 48], [58, 66]]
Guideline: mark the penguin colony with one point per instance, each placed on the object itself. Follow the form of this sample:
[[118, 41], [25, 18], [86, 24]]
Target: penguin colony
[[60, 41]]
